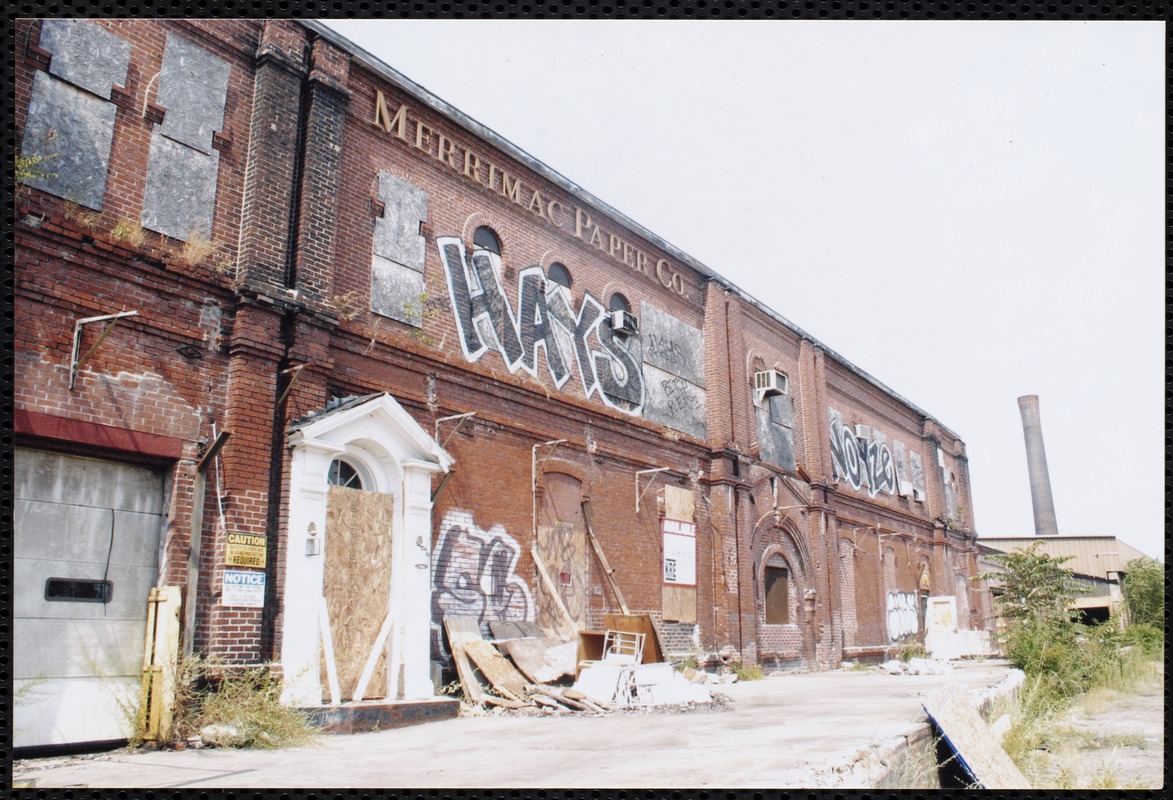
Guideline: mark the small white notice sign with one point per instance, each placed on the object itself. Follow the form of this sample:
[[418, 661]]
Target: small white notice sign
[[243, 589], [679, 552]]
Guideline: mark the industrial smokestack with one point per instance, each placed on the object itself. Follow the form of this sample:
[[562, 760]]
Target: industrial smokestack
[[1036, 465]]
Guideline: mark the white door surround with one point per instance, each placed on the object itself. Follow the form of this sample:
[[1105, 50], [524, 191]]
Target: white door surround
[[397, 457]]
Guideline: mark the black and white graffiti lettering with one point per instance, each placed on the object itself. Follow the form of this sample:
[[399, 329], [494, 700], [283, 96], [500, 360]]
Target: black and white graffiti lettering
[[545, 322], [475, 573], [862, 460], [902, 616]]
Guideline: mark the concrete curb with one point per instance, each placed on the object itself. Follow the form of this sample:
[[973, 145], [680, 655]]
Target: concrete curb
[[909, 761]]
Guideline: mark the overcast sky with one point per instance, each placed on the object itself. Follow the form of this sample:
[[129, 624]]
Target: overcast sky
[[968, 211]]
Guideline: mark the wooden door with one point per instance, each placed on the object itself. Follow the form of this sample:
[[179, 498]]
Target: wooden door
[[562, 546]]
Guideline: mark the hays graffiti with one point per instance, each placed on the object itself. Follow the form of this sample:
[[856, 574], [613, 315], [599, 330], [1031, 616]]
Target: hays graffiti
[[860, 460], [475, 573], [545, 327]]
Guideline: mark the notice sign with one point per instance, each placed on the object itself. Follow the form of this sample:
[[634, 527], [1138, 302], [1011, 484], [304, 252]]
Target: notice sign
[[245, 550], [679, 552], [243, 589]]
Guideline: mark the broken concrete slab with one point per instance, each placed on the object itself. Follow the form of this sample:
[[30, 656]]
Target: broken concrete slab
[[952, 711]]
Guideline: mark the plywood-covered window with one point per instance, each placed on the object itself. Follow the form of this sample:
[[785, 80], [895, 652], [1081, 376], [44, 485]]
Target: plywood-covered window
[[777, 586]]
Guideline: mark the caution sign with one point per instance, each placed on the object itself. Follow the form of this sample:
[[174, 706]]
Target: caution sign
[[245, 550]]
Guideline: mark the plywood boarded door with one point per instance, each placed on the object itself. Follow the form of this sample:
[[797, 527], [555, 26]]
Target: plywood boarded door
[[357, 584], [562, 547], [679, 599]]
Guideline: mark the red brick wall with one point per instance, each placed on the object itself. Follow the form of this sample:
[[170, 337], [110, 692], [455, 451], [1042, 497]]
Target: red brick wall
[[283, 303]]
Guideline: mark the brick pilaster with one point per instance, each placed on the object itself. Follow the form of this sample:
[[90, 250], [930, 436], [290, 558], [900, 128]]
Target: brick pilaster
[[270, 177]]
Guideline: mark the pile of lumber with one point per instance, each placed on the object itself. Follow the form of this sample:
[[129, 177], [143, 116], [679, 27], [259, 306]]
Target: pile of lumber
[[516, 668], [522, 665]]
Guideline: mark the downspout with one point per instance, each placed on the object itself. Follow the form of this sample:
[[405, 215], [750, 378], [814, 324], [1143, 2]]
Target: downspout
[[269, 645]]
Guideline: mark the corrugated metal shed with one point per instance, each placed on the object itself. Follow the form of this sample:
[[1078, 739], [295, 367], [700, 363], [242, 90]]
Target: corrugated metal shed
[[1090, 555]]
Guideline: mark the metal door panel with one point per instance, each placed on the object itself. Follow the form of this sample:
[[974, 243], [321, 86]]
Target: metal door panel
[[61, 711], [130, 588], [78, 481], [77, 664], [58, 532], [72, 648]]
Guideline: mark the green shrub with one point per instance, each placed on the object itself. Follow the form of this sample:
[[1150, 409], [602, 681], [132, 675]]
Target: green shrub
[[748, 672], [1149, 638], [1144, 592]]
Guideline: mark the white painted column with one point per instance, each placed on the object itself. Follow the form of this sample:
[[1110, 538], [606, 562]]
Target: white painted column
[[409, 652], [300, 638]]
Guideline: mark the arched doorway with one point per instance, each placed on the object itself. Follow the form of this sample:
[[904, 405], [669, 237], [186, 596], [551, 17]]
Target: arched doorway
[[357, 597], [785, 635]]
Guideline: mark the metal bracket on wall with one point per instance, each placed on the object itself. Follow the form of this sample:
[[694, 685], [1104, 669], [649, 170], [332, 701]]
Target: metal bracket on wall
[[640, 495], [295, 371], [461, 417], [75, 362], [536, 465]]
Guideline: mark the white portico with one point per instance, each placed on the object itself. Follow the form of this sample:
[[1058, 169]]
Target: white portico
[[357, 595]]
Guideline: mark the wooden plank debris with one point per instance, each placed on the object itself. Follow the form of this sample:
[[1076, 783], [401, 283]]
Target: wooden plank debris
[[502, 676], [541, 660], [505, 629], [967, 734], [461, 630]]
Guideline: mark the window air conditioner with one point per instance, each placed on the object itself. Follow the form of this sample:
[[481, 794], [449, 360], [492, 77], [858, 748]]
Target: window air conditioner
[[769, 382], [624, 322]]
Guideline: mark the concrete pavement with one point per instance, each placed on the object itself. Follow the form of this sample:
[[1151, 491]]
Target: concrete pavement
[[830, 729]]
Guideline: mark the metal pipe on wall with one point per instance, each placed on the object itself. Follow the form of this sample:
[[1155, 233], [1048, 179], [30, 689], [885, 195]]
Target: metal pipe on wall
[[1036, 464]]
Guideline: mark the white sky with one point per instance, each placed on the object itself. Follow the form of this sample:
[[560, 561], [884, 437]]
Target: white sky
[[968, 211]]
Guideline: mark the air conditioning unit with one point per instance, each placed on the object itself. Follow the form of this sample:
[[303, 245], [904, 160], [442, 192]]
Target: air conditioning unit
[[624, 322], [768, 383]]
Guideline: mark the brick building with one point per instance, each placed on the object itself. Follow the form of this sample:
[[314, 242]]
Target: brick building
[[303, 340]]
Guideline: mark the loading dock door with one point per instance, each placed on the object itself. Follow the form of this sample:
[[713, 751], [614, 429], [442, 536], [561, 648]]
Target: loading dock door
[[87, 541]]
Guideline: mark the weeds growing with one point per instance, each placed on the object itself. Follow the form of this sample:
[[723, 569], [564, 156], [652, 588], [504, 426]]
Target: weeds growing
[[241, 704], [748, 672]]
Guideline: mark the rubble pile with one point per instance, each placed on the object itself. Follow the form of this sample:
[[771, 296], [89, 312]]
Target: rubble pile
[[525, 670]]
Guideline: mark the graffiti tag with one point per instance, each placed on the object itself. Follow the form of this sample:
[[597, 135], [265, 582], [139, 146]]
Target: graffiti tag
[[860, 461], [545, 327], [902, 615], [475, 573]]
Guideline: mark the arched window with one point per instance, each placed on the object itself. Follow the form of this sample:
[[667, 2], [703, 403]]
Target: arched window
[[486, 238], [344, 473], [619, 303], [559, 274]]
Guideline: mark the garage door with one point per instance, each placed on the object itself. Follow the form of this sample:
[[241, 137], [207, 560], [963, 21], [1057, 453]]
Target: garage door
[[86, 555]]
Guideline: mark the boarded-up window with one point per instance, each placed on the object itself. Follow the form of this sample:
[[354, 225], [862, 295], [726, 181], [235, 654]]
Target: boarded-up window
[[777, 596]]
